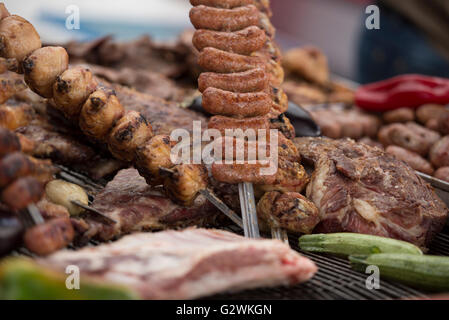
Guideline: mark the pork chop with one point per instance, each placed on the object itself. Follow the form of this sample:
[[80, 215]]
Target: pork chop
[[359, 188]]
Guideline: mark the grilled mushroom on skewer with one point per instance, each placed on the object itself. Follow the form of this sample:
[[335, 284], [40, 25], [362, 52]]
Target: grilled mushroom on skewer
[[75, 93]]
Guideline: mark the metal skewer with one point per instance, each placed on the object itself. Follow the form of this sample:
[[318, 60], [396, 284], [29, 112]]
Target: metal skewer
[[97, 213], [215, 201], [249, 212]]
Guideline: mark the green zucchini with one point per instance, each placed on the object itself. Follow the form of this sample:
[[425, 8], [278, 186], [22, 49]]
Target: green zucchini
[[424, 272], [24, 279], [345, 244]]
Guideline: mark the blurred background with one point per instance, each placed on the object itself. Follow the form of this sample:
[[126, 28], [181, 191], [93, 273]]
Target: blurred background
[[414, 34]]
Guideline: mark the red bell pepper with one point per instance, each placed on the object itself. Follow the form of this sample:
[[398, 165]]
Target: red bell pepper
[[410, 91]]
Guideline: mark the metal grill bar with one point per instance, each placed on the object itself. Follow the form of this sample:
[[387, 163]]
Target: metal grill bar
[[334, 280]]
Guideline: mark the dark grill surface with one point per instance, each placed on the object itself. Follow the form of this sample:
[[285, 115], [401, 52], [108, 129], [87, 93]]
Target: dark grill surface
[[334, 280]]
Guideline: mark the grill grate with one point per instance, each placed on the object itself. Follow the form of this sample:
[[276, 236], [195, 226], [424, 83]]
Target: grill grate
[[334, 280]]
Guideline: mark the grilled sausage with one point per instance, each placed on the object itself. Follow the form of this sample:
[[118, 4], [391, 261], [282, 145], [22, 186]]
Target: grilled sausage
[[222, 123], [23, 191], [42, 67], [243, 41], [246, 172], [215, 60], [442, 173], [49, 237], [9, 142], [399, 115], [13, 166], [262, 5], [248, 81], [219, 19], [100, 113], [439, 153], [239, 105], [413, 159]]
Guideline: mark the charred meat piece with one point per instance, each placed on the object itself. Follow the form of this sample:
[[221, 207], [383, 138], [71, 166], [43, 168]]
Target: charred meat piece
[[362, 189], [290, 210], [413, 159], [50, 236], [188, 264], [136, 206], [439, 153]]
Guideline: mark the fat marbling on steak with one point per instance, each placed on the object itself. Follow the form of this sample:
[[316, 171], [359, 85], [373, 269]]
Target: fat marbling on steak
[[359, 188], [188, 264], [136, 206]]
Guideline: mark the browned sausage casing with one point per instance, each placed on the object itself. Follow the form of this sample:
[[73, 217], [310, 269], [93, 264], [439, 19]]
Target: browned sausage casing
[[23, 191], [13, 166], [237, 173], [239, 105], [46, 238], [413, 159], [219, 19], [439, 154], [442, 173], [220, 61], [248, 81], [243, 41], [222, 123], [262, 5], [9, 142]]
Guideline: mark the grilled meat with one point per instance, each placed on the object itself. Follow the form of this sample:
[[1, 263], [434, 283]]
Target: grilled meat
[[187, 264], [10, 84], [358, 188], [288, 210], [137, 207], [15, 115], [49, 237]]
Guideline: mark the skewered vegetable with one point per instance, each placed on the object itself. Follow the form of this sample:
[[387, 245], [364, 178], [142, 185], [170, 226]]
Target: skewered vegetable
[[346, 244]]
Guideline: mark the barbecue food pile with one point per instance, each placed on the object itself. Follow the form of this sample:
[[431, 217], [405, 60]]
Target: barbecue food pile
[[420, 138]]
